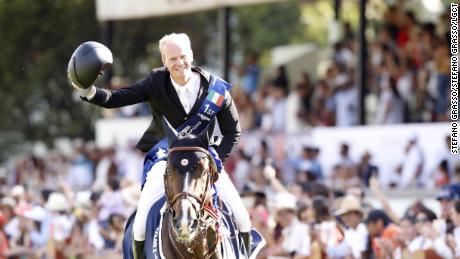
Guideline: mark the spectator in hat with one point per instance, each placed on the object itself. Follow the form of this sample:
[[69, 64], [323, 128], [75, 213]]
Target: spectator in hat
[[61, 223], [428, 237], [446, 197], [85, 237], [382, 234], [39, 222], [33, 233], [18, 193], [295, 241], [351, 214]]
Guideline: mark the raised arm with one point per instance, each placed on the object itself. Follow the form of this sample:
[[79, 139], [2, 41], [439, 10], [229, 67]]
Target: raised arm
[[136, 93], [86, 65]]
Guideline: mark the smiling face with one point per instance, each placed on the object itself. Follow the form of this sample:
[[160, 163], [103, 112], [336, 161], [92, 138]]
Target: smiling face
[[177, 57]]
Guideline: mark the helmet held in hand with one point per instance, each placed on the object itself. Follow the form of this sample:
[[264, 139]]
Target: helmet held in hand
[[87, 63]]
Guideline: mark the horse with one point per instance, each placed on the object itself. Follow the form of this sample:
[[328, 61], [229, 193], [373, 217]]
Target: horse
[[190, 224], [192, 221]]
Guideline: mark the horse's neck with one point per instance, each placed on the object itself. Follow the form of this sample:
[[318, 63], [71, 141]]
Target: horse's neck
[[203, 248]]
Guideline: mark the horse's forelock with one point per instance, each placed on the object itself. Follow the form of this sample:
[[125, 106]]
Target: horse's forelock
[[185, 161]]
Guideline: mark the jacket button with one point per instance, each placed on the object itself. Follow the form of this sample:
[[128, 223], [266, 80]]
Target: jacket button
[[185, 118]]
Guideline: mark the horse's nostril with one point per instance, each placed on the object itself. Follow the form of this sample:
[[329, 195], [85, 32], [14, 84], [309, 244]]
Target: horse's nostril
[[174, 221], [194, 224]]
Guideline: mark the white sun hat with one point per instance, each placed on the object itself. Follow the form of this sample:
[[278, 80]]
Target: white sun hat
[[285, 200], [57, 202], [17, 190]]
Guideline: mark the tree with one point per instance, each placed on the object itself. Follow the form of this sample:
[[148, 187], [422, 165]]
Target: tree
[[38, 38], [259, 28]]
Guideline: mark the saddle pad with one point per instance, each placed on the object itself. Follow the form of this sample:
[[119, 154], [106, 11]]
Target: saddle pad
[[232, 243]]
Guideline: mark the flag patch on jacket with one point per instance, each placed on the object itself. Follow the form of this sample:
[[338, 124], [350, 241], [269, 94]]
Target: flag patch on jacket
[[215, 98]]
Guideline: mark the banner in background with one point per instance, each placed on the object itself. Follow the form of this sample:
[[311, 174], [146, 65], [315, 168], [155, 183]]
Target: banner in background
[[386, 144], [134, 9]]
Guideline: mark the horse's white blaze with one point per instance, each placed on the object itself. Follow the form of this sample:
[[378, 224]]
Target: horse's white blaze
[[185, 207]]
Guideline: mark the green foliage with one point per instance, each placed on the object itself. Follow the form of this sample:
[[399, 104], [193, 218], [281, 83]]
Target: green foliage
[[37, 39], [259, 28], [318, 16]]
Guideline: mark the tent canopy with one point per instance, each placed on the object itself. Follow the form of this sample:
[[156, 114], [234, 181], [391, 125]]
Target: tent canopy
[[133, 9]]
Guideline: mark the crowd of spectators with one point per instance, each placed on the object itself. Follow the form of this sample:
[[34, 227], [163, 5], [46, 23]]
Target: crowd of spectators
[[407, 80], [338, 209], [68, 205], [75, 205]]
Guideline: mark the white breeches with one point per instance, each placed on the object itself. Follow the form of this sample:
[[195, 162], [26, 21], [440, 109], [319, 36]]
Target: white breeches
[[154, 190]]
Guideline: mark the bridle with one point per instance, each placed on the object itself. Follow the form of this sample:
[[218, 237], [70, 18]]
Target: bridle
[[186, 194], [203, 201]]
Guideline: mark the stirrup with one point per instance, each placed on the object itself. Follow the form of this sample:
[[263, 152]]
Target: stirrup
[[246, 236], [138, 249]]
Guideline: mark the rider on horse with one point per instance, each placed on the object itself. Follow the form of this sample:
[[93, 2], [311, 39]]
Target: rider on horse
[[189, 98]]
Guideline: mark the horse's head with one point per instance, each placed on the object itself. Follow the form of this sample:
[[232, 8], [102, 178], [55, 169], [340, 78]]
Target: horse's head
[[187, 181]]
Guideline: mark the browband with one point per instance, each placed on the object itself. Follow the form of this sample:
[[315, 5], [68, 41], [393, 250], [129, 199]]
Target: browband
[[177, 149]]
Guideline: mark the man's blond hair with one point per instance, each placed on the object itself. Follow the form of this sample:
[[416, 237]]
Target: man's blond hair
[[177, 38]]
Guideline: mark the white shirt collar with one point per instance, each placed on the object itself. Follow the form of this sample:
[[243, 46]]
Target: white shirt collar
[[193, 84], [188, 93]]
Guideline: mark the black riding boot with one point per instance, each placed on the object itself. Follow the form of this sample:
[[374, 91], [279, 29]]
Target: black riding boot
[[138, 249], [247, 242]]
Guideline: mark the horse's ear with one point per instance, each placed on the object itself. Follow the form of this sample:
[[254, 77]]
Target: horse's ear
[[170, 132], [206, 134]]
